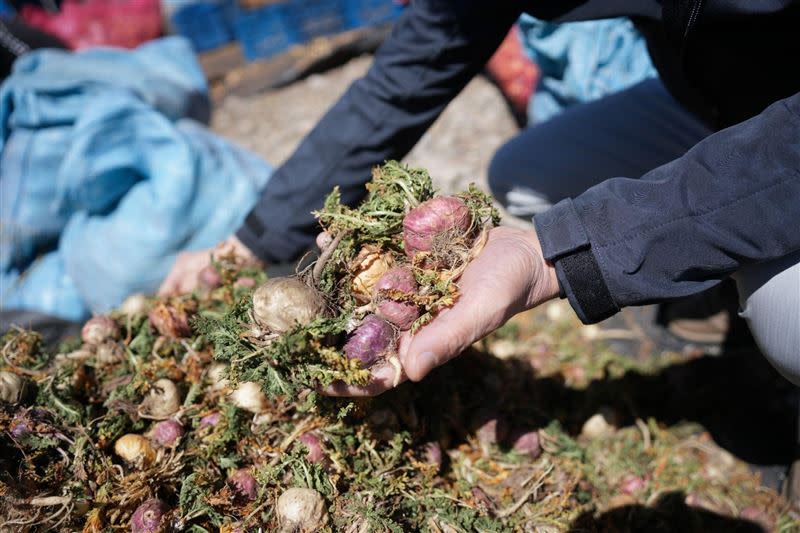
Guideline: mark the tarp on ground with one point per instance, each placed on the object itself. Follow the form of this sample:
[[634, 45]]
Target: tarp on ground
[[107, 172]]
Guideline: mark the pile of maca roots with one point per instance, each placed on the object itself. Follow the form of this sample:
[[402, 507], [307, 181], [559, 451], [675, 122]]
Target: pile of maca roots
[[387, 266]]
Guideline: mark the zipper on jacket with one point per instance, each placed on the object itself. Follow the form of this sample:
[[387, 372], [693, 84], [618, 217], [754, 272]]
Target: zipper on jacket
[[10, 42], [696, 6]]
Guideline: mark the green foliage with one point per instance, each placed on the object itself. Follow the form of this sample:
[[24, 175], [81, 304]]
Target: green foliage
[[192, 501], [284, 366], [395, 188]]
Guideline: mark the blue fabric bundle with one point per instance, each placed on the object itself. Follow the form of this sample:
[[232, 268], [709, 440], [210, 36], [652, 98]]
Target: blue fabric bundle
[[582, 61], [106, 174]]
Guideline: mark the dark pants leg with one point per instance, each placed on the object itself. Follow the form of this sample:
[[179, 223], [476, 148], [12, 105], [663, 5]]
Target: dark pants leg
[[624, 134]]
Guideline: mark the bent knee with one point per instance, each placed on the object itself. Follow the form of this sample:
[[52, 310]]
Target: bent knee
[[770, 302], [511, 185]]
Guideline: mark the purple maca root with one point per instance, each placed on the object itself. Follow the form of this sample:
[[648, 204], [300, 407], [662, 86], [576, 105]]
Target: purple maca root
[[169, 321], [209, 277], [432, 453], [148, 517], [528, 443], [400, 313], [167, 433], [245, 282], [372, 340], [428, 224], [313, 443], [244, 484], [211, 419]]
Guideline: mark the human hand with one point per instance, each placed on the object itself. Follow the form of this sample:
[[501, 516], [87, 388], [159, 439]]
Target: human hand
[[183, 277], [508, 276]]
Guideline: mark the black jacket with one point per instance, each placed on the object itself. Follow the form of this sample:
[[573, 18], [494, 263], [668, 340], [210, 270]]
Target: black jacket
[[731, 200]]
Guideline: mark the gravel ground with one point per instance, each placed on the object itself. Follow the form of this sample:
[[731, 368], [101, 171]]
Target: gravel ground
[[456, 150]]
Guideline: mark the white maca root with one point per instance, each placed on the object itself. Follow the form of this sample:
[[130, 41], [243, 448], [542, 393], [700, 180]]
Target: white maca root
[[135, 449], [216, 377], [135, 304], [109, 353], [99, 329], [12, 387], [597, 426], [249, 396], [162, 401], [301, 510], [283, 303]]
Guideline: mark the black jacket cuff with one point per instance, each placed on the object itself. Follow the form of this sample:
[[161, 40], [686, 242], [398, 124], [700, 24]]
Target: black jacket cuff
[[565, 243], [582, 283], [273, 246]]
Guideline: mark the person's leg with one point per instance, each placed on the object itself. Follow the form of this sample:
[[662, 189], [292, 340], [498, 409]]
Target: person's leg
[[769, 296], [624, 134]]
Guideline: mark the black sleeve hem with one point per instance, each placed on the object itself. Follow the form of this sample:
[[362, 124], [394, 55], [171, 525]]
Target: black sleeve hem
[[565, 243], [582, 282]]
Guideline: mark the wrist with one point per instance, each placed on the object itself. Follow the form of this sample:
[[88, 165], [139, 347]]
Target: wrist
[[545, 284]]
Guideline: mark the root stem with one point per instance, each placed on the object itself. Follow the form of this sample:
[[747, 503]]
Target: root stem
[[319, 266]]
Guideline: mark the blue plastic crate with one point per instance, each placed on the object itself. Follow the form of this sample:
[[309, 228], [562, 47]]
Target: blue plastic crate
[[6, 9], [264, 31], [314, 18], [205, 24], [360, 13]]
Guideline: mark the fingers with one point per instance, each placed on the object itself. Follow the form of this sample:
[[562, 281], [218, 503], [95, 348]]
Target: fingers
[[384, 377], [166, 289], [453, 331], [189, 282], [182, 278], [492, 290], [170, 284]]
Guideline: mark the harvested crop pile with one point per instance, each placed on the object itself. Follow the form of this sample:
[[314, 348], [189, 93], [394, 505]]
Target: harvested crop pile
[[199, 412], [388, 266]]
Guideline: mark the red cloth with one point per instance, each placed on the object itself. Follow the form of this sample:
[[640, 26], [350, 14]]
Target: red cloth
[[513, 71], [87, 23]]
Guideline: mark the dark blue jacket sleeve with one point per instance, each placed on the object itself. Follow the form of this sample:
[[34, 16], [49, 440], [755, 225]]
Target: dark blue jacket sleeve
[[435, 48], [733, 199]]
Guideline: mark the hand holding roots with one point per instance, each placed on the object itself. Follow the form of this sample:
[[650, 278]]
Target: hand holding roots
[[388, 266]]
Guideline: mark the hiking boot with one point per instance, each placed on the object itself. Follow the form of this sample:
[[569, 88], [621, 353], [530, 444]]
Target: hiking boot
[[711, 330], [709, 319]]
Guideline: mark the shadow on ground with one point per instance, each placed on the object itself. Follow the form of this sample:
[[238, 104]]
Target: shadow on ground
[[667, 515], [745, 405]]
